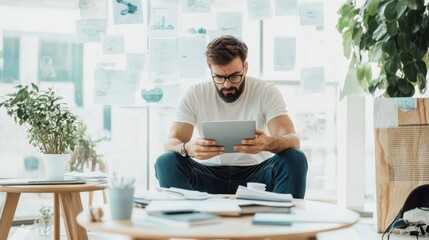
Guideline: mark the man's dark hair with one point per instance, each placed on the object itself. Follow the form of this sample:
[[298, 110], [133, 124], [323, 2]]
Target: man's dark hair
[[222, 50]]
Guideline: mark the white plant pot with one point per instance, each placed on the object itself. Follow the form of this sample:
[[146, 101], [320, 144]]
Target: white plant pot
[[55, 165]]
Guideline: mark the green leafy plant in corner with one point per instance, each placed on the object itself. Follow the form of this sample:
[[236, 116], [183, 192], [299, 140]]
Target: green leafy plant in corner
[[390, 37], [51, 126]]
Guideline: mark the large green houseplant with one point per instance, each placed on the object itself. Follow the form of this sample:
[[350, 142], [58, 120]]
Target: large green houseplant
[[389, 38], [51, 126], [387, 42]]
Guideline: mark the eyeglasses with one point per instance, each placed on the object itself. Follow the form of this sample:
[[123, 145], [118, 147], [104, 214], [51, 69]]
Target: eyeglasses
[[235, 78]]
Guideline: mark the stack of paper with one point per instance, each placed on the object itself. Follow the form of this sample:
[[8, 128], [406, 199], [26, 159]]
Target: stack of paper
[[145, 197], [246, 193], [209, 206], [271, 219], [188, 194], [182, 218], [96, 177]]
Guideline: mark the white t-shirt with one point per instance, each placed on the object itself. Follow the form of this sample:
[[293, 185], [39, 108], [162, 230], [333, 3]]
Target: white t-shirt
[[260, 101]]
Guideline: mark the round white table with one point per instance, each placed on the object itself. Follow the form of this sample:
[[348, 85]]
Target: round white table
[[327, 217]]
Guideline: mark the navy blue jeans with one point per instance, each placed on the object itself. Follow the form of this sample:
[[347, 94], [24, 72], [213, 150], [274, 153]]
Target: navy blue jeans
[[285, 172]]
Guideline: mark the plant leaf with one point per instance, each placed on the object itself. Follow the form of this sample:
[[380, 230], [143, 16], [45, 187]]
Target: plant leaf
[[414, 21], [347, 42], [410, 71], [372, 8], [414, 4], [421, 66], [421, 81], [422, 43], [405, 87], [405, 57], [400, 8], [390, 11], [379, 32], [389, 48], [375, 53], [404, 41], [417, 52], [392, 28]]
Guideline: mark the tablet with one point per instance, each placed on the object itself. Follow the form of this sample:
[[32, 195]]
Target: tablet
[[229, 133]]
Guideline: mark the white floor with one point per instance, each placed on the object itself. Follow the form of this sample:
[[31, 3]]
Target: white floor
[[364, 230]]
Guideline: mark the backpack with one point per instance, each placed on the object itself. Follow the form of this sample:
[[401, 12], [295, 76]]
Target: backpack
[[418, 198]]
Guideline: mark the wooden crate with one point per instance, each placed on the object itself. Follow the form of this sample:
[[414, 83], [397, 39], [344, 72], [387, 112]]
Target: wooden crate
[[402, 158]]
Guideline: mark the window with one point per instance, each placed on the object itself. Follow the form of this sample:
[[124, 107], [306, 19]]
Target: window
[[9, 60], [35, 50]]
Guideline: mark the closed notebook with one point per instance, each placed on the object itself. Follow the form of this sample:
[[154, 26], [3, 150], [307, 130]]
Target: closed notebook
[[182, 219], [271, 219]]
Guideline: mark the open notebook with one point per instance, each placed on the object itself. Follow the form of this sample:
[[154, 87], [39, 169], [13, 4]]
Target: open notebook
[[38, 181]]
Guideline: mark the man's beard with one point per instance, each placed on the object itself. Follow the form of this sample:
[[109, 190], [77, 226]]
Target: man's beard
[[231, 97]]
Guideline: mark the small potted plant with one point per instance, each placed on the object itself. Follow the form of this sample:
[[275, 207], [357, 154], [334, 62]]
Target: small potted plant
[[84, 154], [45, 220], [51, 126]]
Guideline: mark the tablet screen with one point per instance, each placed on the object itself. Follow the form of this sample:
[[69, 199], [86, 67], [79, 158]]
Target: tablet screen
[[229, 133]]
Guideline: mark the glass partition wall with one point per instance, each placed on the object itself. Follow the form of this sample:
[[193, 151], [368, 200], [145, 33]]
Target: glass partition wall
[[100, 59]]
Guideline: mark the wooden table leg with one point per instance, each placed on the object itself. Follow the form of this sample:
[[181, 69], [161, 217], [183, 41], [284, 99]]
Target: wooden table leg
[[72, 205], [65, 199], [7, 214], [91, 196], [56, 216], [77, 208]]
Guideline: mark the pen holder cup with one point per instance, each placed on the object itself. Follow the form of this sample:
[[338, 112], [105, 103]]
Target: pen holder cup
[[121, 203]]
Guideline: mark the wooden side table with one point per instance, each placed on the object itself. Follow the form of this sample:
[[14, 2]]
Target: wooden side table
[[65, 196]]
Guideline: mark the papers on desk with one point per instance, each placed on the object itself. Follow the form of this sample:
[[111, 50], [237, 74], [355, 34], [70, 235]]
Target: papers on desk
[[227, 208], [188, 194], [246, 193], [305, 216], [145, 197], [176, 199], [95, 177], [271, 219], [181, 219]]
